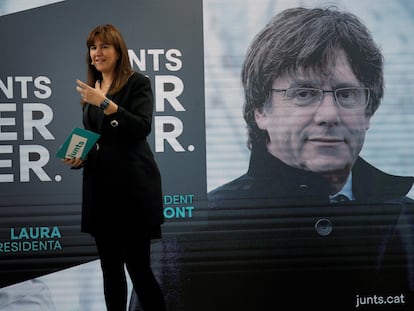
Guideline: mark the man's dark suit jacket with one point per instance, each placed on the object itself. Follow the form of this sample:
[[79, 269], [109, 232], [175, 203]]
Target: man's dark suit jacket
[[281, 243]]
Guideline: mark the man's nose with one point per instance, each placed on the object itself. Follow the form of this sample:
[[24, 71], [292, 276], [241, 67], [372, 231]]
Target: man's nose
[[328, 110]]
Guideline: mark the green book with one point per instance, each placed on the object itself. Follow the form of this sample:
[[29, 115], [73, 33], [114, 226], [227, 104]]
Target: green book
[[78, 143]]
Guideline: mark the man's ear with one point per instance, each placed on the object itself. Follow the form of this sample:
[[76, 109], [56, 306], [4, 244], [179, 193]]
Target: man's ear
[[368, 123], [261, 118]]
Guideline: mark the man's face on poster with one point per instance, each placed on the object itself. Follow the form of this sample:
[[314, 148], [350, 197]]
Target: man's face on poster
[[322, 136]]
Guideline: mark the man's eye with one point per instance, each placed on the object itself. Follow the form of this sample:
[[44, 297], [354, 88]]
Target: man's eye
[[302, 93], [305, 94], [344, 94]]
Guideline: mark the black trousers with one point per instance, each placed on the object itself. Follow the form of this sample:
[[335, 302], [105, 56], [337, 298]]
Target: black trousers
[[117, 252]]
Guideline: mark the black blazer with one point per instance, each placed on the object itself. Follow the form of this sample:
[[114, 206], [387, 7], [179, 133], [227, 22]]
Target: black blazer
[[121, 178]]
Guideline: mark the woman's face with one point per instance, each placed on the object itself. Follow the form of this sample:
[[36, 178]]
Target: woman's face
[[103, 55]]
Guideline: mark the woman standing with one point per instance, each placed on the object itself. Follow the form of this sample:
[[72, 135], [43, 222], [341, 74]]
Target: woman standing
[[122, 196]]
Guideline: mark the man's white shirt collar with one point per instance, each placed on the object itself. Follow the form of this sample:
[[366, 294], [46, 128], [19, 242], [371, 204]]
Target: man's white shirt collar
[[346, 189]]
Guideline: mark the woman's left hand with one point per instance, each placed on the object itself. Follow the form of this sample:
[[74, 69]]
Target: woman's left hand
[[91, 95]]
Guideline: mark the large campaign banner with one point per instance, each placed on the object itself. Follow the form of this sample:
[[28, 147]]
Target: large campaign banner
[[39, 106], [192, 50], [268, 256]]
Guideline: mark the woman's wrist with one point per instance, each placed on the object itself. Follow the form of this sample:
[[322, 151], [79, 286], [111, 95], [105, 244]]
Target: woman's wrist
[[110, 107], [104, 104]]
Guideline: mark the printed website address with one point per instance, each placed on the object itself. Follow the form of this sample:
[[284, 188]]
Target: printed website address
[[379, 300]]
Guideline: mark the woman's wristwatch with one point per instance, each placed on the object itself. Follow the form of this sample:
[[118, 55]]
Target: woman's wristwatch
[[105, 104]]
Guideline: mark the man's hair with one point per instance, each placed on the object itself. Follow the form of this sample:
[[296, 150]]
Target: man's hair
[[307, 39]]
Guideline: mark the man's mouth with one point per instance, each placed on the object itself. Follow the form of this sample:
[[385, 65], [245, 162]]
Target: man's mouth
[[326, 140]]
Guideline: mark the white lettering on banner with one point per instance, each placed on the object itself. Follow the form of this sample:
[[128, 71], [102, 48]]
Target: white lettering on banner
[[6, 164], [168, 88], [7, 88], [362, 301], [41, 88], [175, 127], [164, 133], [40, 123], [172, 60], [28, 122], [4, 107], [26, 155], [162, 94], [36, 117], [26, 164]]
